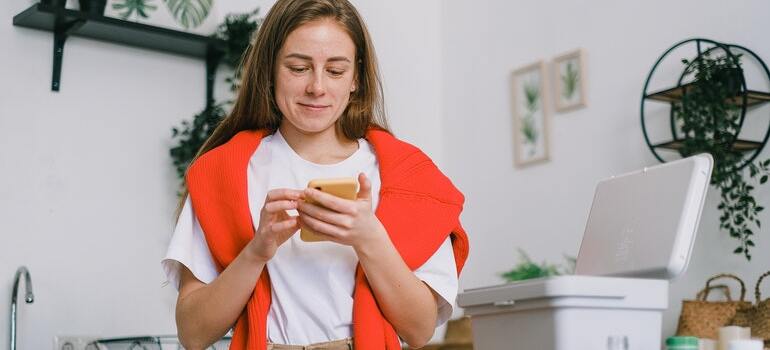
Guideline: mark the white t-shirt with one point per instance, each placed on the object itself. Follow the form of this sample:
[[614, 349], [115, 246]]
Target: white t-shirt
[[312, 282]]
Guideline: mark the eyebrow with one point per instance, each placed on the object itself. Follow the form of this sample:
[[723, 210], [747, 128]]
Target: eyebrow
[[308, 58]]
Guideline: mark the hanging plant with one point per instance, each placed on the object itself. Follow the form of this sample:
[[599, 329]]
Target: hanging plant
[[236, 32], [710, 120], [191, 136]]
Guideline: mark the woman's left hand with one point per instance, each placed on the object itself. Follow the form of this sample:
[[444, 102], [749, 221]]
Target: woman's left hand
[[348, 222]]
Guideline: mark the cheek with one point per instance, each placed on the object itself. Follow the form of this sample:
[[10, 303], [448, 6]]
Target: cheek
[[342, 89], [287, 86]]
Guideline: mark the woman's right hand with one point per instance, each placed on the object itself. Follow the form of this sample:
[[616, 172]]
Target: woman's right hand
[[275, 225]]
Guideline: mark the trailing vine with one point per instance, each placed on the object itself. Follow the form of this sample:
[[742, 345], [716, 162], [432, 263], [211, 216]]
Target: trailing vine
[[236, 31], [709, 116]]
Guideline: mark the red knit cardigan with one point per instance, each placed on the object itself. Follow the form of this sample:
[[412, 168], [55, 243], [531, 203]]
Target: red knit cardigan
[[418, 207]]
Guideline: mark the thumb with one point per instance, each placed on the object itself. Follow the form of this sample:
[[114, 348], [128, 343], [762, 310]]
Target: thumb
[[365, 187]]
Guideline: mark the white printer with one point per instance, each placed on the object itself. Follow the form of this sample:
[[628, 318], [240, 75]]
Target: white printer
[[639, 234]]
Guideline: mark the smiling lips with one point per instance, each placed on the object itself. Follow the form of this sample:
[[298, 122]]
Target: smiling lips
[[313, 107]]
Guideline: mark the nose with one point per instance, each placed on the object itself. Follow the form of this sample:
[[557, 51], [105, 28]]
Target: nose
[[316, 86]]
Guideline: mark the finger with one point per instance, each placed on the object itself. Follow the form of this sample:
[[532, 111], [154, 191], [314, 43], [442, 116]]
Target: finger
[[321, 227], [279, 206], [325, 215], [284, 228], [330, 201], [283, 194], [365, 187]]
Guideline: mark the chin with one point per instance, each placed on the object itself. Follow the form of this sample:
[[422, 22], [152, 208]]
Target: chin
[[313, 125]]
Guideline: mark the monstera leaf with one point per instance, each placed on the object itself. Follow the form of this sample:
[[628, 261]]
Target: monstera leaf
[[189, 13]]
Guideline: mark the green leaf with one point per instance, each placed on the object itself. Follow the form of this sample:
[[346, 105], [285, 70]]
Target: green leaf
[[129, 7], [758, 209], [750, 243], [738, 250], [189, 13], [527, 269], [763, 179]]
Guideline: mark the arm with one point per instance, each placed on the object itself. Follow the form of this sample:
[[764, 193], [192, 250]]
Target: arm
[[407, 303], [205, 312]]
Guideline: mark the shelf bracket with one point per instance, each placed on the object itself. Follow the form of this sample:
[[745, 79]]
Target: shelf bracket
[[213, 56], [60, 34]]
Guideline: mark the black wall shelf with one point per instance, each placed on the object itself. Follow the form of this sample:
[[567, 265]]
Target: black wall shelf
[[738, 145], [744, 98], [675, 94], [65, 22]]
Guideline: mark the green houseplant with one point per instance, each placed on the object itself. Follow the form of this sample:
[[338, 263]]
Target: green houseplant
[[236, 31], [528, 269], [709, 118]]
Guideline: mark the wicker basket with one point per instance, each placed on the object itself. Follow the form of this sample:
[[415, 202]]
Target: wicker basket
[[760, 320], [702, 318]]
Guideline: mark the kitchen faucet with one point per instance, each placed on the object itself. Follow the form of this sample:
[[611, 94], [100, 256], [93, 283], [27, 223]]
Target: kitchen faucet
[[29, 298]]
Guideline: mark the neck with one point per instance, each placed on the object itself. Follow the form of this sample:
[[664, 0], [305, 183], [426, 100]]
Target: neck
[[326, 147]]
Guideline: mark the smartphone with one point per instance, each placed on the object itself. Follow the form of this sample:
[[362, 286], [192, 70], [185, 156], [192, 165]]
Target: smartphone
[[343, 187]]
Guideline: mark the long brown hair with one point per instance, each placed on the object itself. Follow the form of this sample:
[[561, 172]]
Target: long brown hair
[[255, 106]]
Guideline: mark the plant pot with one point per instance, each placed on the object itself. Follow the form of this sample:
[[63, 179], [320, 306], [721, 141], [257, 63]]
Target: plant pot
[[733, 78], [93, 7], [54, 3]]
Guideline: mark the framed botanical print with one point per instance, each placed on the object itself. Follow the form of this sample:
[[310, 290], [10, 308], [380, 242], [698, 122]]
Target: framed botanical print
[[569, 80], [195, 16], [530, 115]]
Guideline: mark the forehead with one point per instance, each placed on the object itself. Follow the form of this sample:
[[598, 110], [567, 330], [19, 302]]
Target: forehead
[[320, 39]]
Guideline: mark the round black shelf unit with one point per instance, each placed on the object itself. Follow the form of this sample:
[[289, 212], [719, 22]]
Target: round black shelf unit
[[746, 99]]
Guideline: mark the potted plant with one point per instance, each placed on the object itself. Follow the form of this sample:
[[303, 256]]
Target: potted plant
[[236, 32], [709, 116], [93, 7], [528, 269]]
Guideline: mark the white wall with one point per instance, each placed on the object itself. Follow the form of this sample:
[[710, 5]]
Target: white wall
[[543, 208], [88, 190]]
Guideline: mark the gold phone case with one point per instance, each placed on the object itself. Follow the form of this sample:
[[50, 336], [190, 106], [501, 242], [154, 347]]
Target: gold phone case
[[343, 187]]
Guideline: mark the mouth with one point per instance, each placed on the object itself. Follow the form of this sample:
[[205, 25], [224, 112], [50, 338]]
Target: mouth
[[313, 107]]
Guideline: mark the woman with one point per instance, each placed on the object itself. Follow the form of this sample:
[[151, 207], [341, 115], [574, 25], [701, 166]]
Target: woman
[[310, 107]]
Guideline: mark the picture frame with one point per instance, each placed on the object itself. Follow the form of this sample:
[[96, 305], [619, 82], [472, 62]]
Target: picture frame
[[569, 80], [192, 16], [530, 115]]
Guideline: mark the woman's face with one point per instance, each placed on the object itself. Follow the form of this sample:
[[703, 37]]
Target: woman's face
[[315, 74]]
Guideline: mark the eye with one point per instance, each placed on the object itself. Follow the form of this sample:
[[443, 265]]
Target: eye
[[298, 69], [336, 72]]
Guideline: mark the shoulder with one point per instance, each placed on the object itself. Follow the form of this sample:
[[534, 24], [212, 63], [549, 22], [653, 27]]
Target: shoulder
[[404, 167], [392, 151]]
